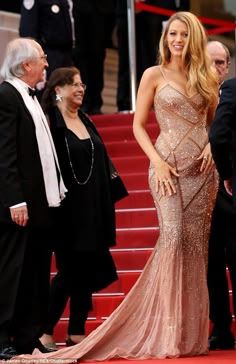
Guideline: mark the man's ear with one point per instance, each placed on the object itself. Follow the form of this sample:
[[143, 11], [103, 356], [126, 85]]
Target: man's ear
[[27, 67]]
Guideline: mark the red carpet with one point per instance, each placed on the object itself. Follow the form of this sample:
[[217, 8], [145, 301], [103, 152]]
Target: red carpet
[[137, 230]]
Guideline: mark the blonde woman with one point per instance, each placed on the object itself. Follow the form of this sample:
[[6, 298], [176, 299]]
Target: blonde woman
[[165, 315]]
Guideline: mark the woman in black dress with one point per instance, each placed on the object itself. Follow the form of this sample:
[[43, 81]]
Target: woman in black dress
[[86, 226]]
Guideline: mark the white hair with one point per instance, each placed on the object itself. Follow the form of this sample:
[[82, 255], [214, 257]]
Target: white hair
[[18, 51]]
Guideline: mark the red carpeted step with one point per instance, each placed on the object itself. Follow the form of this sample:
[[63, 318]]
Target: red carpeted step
[[124, 283], [145, 217], [136, 181], [127, 280], [131, 259], [103, 306], [124, 133], [124, 148], [136, 199], [131, 164], [137, 238], [111, 120]]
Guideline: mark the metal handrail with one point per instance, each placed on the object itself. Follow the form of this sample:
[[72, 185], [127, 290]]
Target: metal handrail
[[132, 52]]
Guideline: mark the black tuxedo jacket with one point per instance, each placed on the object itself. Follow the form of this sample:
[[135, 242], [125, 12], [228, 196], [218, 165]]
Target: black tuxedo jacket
[[223, 133], [21, 176]]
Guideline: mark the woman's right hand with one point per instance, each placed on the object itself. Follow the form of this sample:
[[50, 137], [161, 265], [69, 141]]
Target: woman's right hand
[[164, 181]]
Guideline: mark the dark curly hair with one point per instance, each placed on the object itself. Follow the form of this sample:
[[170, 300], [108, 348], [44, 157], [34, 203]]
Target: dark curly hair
[[59, 77]]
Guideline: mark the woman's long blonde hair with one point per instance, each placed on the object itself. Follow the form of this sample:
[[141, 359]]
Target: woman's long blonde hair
[[201, 75]]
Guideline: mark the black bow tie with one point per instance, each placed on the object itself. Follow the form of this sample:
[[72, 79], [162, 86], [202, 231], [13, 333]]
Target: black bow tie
[[32, 92]]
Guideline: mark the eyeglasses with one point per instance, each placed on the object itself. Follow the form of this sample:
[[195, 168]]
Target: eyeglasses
[[80, 84]]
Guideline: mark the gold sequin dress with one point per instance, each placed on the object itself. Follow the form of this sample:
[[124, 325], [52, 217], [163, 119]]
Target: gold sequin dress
[[166, 312]]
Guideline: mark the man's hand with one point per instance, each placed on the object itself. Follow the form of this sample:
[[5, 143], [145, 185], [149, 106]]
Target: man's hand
[[19, 215]]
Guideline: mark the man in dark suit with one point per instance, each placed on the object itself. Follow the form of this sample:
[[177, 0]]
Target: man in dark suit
[[222, 244], [91, 19], [223, 143], [30, 189]]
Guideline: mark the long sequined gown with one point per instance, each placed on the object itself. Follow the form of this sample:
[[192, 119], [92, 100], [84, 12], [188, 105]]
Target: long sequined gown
[[166, 312]]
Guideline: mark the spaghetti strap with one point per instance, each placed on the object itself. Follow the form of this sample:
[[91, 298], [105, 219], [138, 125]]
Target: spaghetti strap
[[163, 74]]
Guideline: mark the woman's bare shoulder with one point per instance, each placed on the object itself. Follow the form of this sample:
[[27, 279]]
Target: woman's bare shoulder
[[153, 71], [152, 74]]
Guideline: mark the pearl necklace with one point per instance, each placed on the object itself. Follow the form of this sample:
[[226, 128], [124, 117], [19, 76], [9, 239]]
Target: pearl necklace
[[71, 165]]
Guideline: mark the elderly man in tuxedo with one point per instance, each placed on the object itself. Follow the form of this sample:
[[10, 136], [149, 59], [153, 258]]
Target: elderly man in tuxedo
[[222, 245], [30, 190]]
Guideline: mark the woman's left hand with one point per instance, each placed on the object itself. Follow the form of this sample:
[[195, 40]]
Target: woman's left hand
[[207, 160]]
